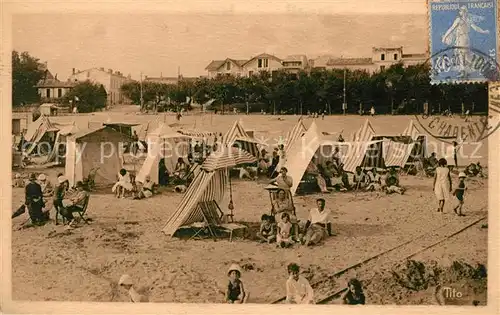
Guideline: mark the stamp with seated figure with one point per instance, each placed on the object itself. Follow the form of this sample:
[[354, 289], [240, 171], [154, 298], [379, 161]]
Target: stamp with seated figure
[[467, 30]]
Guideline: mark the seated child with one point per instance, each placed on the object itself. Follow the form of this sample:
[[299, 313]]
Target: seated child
[[284, 237], [235, 291], [375, 181], [459, 193], [267, 231]]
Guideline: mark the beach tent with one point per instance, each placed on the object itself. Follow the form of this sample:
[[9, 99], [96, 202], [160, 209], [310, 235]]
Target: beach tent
[[208, 185], [365, 133], [163, 142], [41, 130], [94, 150], [238, 137], [398, 151], [65, 130], [296, 133], [312, 144]]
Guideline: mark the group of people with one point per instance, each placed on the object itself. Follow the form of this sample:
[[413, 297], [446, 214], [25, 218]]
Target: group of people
[[41, 196], [298, 288], [331, 174], [126, 184]]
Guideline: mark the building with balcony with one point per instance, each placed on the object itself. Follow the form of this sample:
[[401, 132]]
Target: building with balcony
[[254, 65]]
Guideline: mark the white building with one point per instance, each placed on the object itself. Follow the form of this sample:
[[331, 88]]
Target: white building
[[112, 82], [254, 65], [381, 59]]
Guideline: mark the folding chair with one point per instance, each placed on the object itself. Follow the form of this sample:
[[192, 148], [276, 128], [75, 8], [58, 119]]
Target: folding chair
[[211, 218], [81, 213]]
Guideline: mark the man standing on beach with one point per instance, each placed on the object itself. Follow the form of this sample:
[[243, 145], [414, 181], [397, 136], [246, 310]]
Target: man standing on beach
[[34, 200]]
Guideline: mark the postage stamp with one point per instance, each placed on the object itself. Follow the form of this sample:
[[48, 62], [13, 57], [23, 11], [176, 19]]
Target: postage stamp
[[468, 29]]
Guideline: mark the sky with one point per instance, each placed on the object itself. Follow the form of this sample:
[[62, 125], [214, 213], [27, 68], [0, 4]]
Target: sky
[[160, 43]]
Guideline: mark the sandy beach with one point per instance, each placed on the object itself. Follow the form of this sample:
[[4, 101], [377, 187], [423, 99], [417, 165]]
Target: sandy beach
[[49, 263]]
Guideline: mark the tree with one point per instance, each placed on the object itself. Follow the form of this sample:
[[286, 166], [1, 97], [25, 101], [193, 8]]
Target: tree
[[27, 72], [87, 96]]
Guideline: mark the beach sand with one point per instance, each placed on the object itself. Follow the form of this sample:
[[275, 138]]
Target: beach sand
[[49, 263]]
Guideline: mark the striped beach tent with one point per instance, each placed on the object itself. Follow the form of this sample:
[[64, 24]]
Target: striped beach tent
[[206, 186], [227, 157], [397, 153], [297, 132], [36, 132], [365, 133], [412, 131], [237, 136]]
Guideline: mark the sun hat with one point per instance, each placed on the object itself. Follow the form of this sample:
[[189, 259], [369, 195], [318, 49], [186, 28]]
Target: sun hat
[[462, 174], [125, 280], [17, 176], [234, 267], [42, 177], [61, 179]]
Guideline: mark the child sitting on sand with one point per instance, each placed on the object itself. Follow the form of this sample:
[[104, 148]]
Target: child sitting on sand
[[459, 193], [267, 231], [284, 237], [235, 291]]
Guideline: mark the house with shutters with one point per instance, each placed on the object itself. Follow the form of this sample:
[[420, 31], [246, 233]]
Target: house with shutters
[[254, 65]]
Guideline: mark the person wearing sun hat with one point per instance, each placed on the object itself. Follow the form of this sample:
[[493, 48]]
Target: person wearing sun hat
[[235, 291], [34, 200], [47, 190], [459, 194]]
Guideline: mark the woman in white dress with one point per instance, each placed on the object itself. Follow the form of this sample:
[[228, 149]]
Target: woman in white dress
[[442, 183]]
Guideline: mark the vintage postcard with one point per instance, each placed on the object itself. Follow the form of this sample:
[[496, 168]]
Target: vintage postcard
[[250, 157]]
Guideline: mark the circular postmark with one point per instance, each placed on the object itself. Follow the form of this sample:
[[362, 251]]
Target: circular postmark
[[455, 65]]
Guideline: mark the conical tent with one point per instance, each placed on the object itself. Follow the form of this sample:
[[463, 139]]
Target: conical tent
[[37, 130], [365, 133], [236, 135], [165, 143]]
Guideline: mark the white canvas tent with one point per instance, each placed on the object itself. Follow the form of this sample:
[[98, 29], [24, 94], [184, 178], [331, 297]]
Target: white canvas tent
[[94, 149], [312, 144], [166, 143], [65, 130], [41, 129]]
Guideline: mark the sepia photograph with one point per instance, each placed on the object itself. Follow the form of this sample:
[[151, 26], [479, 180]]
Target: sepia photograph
[[334, 154]]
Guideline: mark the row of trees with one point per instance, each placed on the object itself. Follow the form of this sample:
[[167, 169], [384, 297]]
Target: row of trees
[[398, 89], [28, 71]]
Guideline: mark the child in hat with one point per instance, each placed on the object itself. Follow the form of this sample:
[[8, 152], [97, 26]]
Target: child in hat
[[235, 291], [459, 194]]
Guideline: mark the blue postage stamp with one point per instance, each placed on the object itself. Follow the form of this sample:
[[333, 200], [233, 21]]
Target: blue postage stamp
[[463, 41]]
